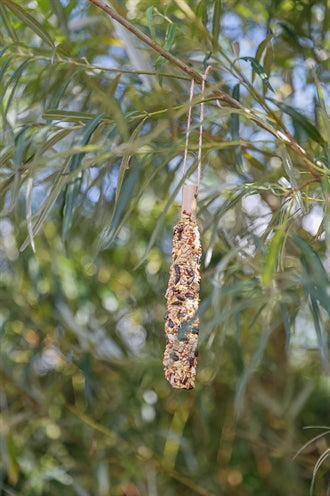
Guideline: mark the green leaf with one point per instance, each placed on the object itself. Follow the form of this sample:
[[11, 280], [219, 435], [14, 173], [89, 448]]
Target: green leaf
[[201, 12], [126, 158], [216, 20], [259, 70], [150, 22], [314, 277], [320, 333], [59, 11], [73, 187], [263, 46], [7, 23], [125, 196], [272, 255], [301, 120], [54, 102], [287, 323], [268, 59], [2, 71], [67, 115], [14, 78], [234, 129], [170, 36], [290, 33], [27, 19]]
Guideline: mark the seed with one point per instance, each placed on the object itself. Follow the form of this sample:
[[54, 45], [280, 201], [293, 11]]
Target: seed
[[190, 280], [190, 296], [181, 314], [196, 352], [165, 315], [177, 303], [180, 297], [194, 330], [190, 271], [179, 231], [174, 356], [171, 323], [191, 361]]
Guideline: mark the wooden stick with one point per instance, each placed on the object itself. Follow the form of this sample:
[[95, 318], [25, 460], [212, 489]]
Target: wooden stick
[[189, 200]]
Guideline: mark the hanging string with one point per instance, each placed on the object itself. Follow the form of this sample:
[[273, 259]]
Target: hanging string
[[200, 139], [184, 166], [201, 119]]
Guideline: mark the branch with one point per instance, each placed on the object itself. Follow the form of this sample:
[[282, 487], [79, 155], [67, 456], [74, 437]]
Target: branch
[[148, 41], [223, 97]]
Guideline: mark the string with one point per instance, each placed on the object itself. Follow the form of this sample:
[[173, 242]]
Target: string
[[192, 85], [201, 119]]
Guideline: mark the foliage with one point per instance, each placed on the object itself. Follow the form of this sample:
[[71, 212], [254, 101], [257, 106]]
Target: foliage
[[92, 141]]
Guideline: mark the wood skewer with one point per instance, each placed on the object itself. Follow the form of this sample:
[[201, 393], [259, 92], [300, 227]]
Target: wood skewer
[[189, 200]]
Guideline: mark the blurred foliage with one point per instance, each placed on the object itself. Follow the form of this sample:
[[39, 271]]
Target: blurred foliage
[[92, 138]]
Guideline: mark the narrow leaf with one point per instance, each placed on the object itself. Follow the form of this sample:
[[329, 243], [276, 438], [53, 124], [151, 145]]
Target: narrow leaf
[[7, 23], [27, 19], [259, 70], [301, 120], [234, 129], [67, 115], [272, 256], [73, 187], [263, 46], [216, 20], [290, 33], [59, 11], [170, 36], [287, 323], [14, 79], [268, 59], [320, 333], [315, 278], [201, 12], [125, 196], [126, 159], [150, 22]]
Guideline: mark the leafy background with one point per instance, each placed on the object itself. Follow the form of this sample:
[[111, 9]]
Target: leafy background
[[92, 140]]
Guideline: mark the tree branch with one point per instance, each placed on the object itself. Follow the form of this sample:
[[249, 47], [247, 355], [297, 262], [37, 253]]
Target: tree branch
[[283, 136]]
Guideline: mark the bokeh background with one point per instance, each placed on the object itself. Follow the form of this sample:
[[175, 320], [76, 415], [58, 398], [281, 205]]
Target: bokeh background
[[92, 140]]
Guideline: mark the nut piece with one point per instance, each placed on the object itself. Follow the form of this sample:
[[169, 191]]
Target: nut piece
[[182, 295]]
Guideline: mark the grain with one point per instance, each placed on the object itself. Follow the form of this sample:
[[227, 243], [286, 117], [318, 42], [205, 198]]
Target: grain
[[181, 324]]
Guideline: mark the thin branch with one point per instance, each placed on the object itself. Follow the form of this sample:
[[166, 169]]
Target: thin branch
[[153, 44], [223, 97]]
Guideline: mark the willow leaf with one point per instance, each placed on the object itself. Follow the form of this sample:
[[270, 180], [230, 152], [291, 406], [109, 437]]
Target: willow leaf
[[315, 280], [259, 70], [301, 120], [7, 23], [30, 21], [234, 128], [272, 255], [126, 158], [216, 20], [73, 187]]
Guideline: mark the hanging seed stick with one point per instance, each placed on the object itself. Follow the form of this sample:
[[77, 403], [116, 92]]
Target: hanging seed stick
[[182, 295]]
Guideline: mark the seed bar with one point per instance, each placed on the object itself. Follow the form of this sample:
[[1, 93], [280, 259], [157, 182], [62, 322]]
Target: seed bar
[[182, 295]]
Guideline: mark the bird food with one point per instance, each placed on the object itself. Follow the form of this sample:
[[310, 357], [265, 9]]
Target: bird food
[[182, 295]]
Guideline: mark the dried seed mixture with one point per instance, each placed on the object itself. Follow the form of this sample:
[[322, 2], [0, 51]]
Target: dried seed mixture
[[182, 295]]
